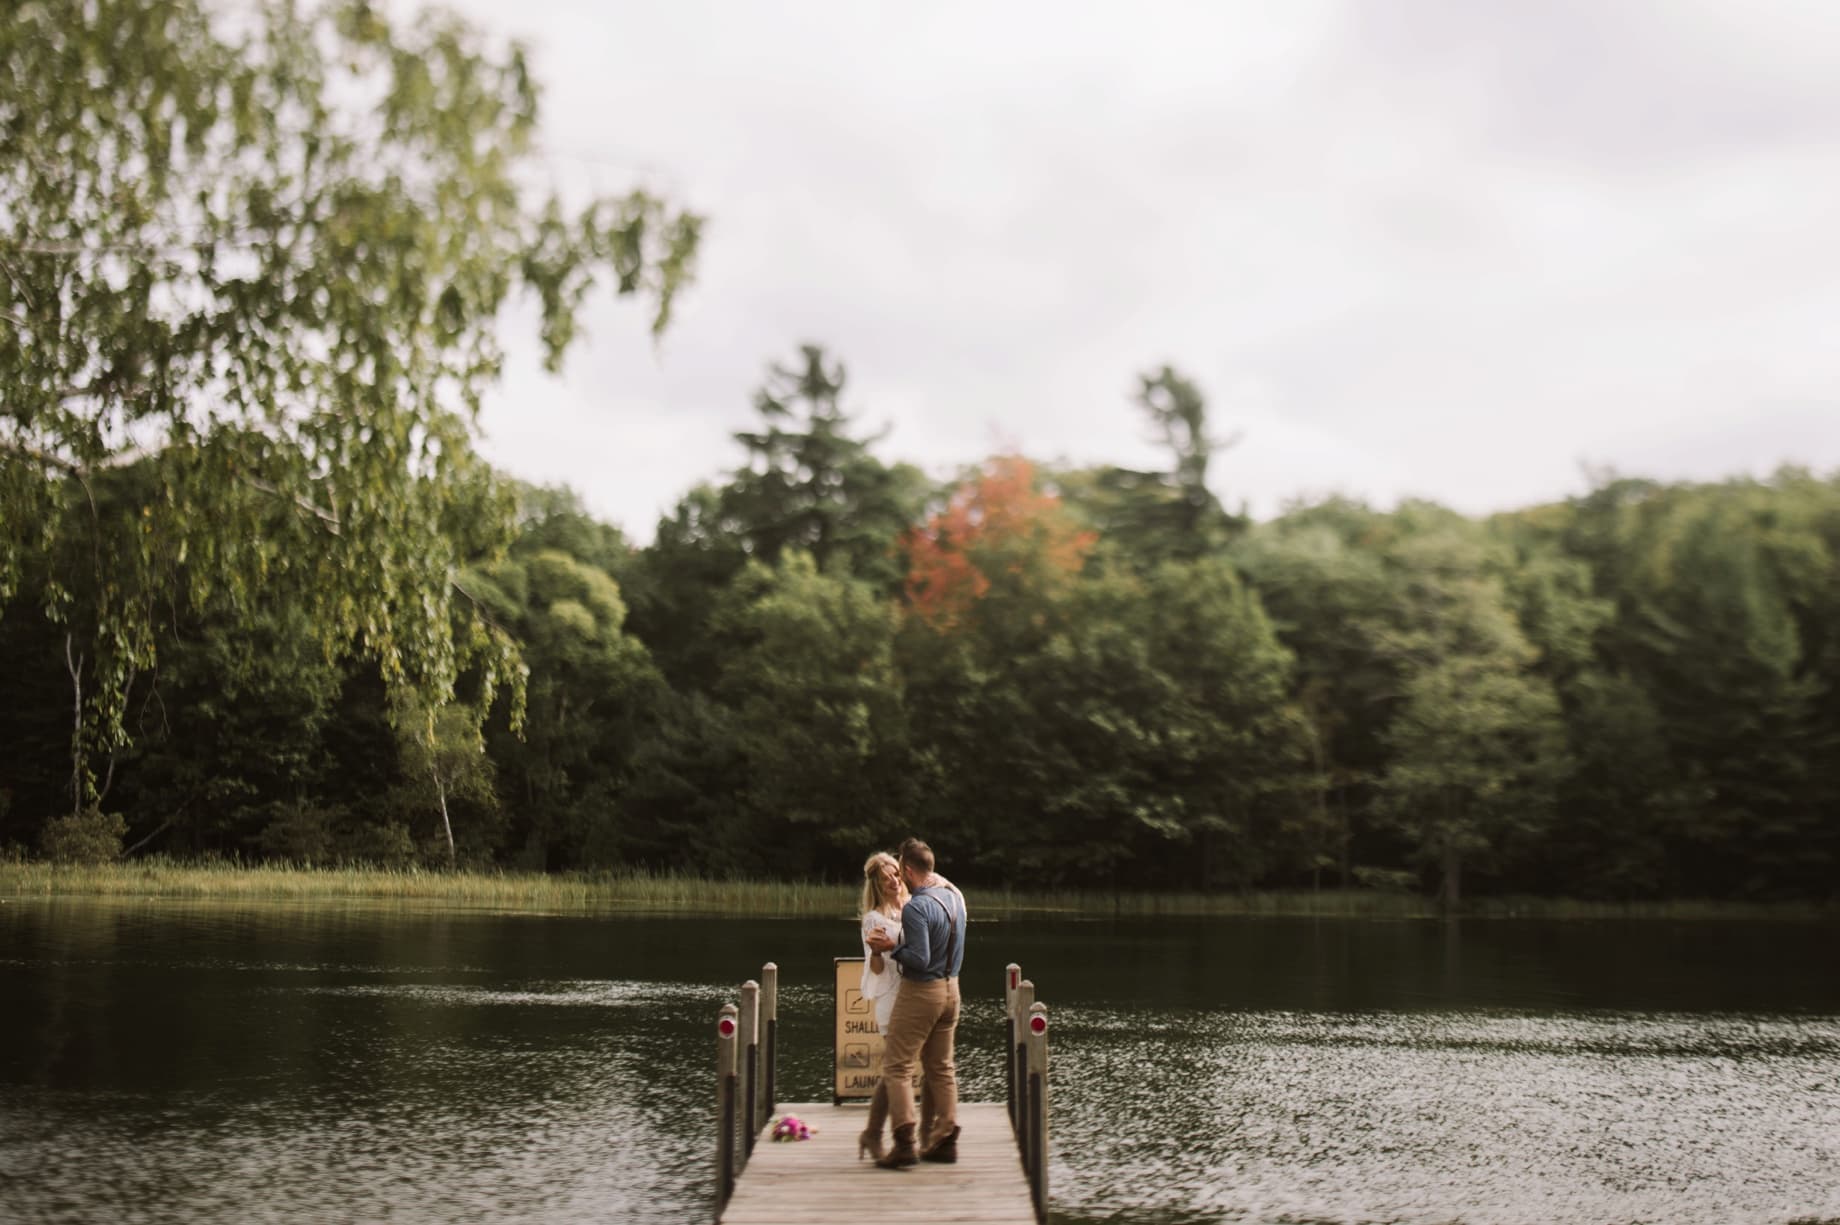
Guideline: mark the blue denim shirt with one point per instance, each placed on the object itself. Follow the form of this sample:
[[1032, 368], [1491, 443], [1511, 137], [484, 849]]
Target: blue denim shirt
[[926, 935]]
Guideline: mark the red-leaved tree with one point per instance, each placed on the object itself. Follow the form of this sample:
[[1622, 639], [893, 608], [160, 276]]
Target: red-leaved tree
[[999, 533]]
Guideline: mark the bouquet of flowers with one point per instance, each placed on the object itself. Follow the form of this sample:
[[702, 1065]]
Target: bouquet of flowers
[[791, 1127]]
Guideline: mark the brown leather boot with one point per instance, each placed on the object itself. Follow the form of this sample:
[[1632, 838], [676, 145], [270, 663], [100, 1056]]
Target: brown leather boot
[[944, 1149], [902, 1154]]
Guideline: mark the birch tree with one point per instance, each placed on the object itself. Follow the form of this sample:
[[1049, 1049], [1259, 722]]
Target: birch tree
[[261, 254]]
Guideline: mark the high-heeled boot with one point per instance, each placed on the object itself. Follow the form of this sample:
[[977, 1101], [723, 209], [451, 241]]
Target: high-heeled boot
[[870, 1142]]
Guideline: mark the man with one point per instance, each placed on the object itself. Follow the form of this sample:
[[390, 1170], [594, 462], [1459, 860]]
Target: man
[[925, 1019]]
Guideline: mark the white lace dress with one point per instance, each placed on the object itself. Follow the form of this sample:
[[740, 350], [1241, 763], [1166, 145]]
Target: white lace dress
[[879, 989]]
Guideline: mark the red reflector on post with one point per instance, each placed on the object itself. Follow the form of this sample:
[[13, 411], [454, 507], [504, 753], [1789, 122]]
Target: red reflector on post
[[1038, 1024], [1015, 976], [726, 1027]]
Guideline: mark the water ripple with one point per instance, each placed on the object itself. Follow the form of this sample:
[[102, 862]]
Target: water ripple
[[1427, 1119], [164, 1066]]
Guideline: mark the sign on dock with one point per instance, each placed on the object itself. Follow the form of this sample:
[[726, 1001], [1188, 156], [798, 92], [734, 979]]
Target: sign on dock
[[858, 1045]]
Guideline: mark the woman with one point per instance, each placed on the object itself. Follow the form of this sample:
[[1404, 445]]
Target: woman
[[883, 895]]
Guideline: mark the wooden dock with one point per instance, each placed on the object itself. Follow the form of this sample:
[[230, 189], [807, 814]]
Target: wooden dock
[[1000, 1177], [820, 1180]]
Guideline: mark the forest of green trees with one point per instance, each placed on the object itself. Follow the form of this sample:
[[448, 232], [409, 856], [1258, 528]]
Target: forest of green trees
[[1092, 677], [260, 599]]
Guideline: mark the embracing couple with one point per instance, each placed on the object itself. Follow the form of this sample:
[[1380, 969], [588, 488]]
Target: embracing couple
[[913, 929]]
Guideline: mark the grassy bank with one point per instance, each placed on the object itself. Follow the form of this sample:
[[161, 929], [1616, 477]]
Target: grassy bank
[[533, 891], [668, 892], [1373, 904]]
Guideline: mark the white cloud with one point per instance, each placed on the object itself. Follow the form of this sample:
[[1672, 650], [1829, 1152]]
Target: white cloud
[[1459, 245]]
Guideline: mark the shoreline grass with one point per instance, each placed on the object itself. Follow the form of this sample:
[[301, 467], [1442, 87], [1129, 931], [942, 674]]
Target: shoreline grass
[[524, 891], [638, 891]]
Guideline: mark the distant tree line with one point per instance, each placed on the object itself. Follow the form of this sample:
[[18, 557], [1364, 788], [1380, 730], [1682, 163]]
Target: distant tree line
[[1089, 677]]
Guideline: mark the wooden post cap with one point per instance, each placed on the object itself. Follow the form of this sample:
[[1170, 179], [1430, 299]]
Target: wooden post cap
[[726, 1024], [750, 1013]]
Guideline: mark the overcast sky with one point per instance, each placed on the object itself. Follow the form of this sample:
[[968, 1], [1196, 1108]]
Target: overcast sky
[[1454, 249]]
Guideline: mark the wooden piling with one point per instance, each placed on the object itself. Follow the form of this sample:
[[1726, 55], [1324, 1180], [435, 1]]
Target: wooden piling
[[769, 1020], [1038, 1108], [726, 1025], [1012, 978], [749, 1065], [1019, 1060]]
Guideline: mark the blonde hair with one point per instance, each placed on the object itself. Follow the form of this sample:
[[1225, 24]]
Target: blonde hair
[[872, 898]]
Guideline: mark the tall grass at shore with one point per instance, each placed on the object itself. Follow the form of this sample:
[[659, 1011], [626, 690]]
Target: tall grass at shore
[[667, 892], [1378, 904], [637, 891]]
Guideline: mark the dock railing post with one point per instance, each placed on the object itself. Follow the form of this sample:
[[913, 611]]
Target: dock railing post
[[1012, 977], [769, 1022], [726, 1025], [750, 1065], [1038, 1107], [1019, 1062]]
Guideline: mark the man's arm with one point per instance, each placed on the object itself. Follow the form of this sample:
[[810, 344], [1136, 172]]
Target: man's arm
[[916, 947]]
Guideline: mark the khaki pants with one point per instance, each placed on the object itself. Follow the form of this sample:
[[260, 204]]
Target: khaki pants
[[923, 1027], [878, 1106]]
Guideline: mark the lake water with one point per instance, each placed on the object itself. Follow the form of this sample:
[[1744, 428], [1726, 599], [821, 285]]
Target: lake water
[[211, 1063]]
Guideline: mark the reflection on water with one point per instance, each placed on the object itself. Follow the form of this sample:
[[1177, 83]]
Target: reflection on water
[[285, 1063]]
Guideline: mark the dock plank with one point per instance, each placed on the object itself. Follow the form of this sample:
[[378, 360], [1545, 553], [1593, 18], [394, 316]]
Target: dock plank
[[820, 1181]]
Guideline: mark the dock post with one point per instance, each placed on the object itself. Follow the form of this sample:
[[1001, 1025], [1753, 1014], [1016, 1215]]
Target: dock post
[[1012, 977], [1019, 1062], [726, 1026], [769, 1021], [750, 1065], [1038, 1107]]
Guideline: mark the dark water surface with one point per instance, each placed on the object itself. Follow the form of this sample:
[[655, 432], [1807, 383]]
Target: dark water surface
[[337, 1062]]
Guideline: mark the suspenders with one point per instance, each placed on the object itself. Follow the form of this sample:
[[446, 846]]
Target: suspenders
[[951, 926]]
